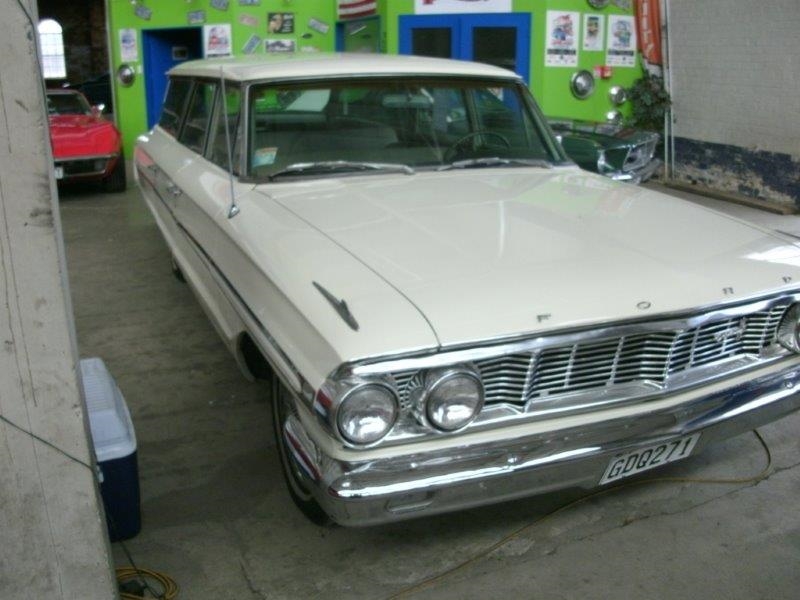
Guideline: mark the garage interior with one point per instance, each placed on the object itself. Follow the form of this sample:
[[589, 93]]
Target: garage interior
[[216, 516]]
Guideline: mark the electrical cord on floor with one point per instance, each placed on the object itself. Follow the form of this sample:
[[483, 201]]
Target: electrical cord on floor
[[514, 534], [133, 580]]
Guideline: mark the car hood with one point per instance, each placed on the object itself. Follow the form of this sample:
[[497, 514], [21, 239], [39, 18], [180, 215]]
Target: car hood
[[497, 252], [81, 135]]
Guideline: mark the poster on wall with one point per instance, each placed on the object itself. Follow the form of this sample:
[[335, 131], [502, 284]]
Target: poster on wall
[[621, 43], [217, 39], [128, 46], [280, 45], [593, 32], [280, 22], [562, 41], [433, 7]]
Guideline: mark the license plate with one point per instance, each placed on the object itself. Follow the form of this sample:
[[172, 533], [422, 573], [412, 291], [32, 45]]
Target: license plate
[[59, 172], [631, 463]]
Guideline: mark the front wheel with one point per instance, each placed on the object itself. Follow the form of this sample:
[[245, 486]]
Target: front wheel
[[282, 408]]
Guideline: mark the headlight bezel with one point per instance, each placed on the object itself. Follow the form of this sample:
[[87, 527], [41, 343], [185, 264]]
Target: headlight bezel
[[787, 333], [434, 379], [349, 396]]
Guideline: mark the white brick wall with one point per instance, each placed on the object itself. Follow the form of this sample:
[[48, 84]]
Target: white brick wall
[[736, 72]]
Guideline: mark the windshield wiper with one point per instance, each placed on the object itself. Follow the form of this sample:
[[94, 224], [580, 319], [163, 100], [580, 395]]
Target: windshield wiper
[[339, 165], [496, 161]]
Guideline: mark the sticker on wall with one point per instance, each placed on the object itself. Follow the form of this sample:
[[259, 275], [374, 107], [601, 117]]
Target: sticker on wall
[[310, 49], [220, 4], [621, 43], [280, 45], [562, 41], [623, 4], [128, 46], [318, 26], [593, 32], [249, 20], [196, 17], [280, 23], [432, 7], [252, 44], [249, 2], [217, 39], [143, 12], [355, 9]]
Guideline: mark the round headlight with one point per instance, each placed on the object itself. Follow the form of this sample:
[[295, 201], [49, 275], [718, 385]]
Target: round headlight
[[789, 329], [367, 414], [453, 399]]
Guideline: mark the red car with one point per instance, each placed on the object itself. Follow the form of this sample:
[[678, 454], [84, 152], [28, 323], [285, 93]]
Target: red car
[[86, 147]]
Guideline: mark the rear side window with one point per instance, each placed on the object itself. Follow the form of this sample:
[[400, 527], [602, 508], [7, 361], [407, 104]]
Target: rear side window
[[198, 116], [177, 93]]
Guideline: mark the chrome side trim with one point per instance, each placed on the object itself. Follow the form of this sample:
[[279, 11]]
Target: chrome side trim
[[274, 354]]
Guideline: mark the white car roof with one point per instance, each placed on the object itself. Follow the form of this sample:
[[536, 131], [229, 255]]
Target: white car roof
[[302, 65]]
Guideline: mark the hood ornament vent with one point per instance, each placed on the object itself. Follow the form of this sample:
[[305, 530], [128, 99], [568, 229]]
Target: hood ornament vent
[[339, 305]]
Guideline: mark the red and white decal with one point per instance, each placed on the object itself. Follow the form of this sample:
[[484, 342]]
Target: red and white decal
[[352, 9]]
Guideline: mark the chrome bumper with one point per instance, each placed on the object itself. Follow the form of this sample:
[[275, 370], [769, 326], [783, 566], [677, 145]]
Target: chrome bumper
[[394, 487], [639, 175]]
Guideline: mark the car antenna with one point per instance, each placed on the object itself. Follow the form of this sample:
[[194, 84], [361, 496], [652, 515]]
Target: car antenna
[[233, 210]]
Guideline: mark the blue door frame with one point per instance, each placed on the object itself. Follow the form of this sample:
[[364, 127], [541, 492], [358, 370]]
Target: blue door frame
[[162, 49], [461, 32]]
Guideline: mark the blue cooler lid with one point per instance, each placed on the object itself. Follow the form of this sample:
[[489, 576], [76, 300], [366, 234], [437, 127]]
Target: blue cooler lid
[[109, 419]]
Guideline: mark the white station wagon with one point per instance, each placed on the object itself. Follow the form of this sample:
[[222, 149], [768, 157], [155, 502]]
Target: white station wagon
[[453, 313]]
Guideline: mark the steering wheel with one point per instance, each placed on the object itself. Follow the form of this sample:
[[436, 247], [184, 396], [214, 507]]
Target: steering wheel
[[453, 150]]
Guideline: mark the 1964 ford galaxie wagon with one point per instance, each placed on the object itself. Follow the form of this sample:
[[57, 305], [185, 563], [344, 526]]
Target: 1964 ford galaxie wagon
[[455, 313]]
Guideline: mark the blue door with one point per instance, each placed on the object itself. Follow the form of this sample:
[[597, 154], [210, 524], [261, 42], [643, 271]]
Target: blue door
[[503, 40], [162, 50]]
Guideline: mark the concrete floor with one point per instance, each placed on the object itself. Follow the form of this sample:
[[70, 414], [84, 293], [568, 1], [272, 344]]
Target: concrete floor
[[217, 518]]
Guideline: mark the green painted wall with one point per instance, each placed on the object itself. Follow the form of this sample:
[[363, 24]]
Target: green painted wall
[[131, 110], [550, 85]]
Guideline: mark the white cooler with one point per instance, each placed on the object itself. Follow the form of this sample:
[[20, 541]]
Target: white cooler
[[115, 446]]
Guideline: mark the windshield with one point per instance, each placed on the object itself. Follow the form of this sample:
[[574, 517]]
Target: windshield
[[67, 104], [407, 121]]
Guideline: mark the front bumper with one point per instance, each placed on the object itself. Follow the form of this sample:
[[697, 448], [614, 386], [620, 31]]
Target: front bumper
[[485, 468], [639, 175], [77, 168]]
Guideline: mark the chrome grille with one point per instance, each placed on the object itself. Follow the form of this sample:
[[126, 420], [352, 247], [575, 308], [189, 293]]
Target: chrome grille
[[650, 357]]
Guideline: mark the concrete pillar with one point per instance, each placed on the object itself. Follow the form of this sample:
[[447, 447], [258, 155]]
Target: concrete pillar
[[53, 542]]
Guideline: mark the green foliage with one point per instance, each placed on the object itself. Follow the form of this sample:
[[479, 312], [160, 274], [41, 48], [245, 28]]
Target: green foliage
[[650, 102]]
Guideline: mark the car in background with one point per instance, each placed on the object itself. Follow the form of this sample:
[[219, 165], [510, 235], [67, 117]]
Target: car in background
[[621, 153], [86, 146], [451, 311], [97, 91]]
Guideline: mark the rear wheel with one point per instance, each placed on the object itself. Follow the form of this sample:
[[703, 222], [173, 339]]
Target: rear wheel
[[282, 409], [116, 181]]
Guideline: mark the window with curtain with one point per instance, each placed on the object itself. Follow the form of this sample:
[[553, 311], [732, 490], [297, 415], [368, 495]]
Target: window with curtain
[[51, 42]]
